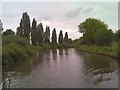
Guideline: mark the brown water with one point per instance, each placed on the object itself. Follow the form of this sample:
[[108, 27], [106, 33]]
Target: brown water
[[64, 68]]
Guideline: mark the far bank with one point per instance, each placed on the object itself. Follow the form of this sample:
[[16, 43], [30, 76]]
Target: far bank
[[111, 51]]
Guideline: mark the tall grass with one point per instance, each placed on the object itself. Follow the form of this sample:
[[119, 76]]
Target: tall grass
[[111, 50]]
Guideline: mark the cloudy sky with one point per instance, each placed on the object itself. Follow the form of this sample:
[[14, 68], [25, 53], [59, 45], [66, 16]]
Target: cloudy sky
[[60, 15]]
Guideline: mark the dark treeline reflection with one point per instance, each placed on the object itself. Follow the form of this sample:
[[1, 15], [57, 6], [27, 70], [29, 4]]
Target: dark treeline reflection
[[66, 51], [54, 54]]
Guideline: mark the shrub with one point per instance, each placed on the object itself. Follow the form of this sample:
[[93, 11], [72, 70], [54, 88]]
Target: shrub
[[13, 52]]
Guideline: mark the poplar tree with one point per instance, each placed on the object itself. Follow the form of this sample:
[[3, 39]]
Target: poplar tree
[[40, 34], [60, 39], [26, 24], [66, 37], [47, 34], [24, 28], [20, 29], [34, 32], [54, 36]]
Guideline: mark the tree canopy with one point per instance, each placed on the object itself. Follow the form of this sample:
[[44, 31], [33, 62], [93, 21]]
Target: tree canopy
[[92, 30], [8, 32], [24, 28]]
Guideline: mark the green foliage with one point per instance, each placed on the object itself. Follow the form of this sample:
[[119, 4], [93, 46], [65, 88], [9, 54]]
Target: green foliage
[[60, 38], [24, 28], [18, 47], [34, 32], [13, 52], [116, 35], [115, 48], [46, 46], [54, 36], [26, 24], [15, 39], [77, 43], [65, 45], [47, 34], [8, 32], [91, 25], [111, 50], [20, 30], [103, 37], [15, 48], [89, 28], [40, 34]]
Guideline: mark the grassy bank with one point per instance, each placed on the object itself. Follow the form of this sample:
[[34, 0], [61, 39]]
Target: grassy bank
[[111, 50]]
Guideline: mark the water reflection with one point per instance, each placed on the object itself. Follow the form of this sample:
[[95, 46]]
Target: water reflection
[[66, 51], [54, 54], [98, 67], [61, 53], [62, 68], [13, 72]]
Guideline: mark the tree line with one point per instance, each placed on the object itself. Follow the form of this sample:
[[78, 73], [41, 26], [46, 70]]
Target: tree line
[[36, 32]]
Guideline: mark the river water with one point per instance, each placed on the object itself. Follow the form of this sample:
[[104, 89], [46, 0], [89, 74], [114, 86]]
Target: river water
[[62, 68]]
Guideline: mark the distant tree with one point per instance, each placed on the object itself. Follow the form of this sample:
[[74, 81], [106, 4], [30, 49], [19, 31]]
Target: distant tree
[[40, 34], [103, 37], [20, 30], [34, 32], [89, 28], [26, 24], [54, 36], [8, 32], [66, 37], [47, 34], [60, 38]]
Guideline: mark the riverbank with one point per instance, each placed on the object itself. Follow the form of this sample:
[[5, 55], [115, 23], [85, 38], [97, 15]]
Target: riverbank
[[111, 51], [18, 48]]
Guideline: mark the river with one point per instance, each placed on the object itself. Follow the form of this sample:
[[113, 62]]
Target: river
[[62, 68]]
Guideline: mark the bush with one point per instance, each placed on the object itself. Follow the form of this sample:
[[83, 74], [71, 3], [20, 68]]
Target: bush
[[13, 52], [105, 39], [15, 39], [15, 48]]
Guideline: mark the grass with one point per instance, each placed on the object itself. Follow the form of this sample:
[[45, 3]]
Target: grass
[[105, 50]]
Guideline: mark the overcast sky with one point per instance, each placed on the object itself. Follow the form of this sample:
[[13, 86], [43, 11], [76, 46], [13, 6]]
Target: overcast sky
[[60, 15]]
